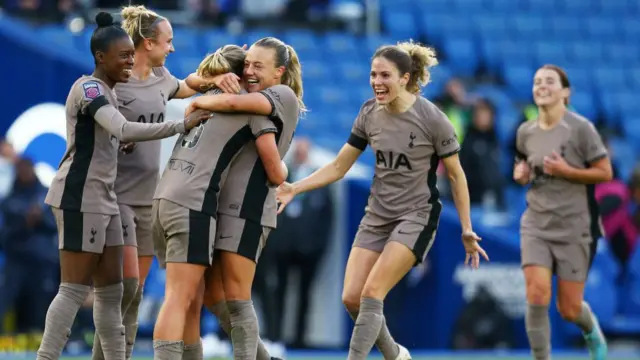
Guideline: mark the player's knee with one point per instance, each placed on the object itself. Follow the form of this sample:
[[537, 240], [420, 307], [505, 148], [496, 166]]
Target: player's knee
[[181, 299], [351, 301], [373, 290], [236, 289], [569, 310], [195, 307], [538, 292]]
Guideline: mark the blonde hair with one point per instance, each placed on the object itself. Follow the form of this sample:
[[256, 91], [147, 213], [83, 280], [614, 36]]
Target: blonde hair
[[286, 56], [140, 23], [229, 58], [413, 58]]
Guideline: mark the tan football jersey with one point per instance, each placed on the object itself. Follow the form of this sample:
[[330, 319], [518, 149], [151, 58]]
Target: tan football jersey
[[408, 147], [143, 101], [200, 159], [557, 209], [87, 172], [246, 193]]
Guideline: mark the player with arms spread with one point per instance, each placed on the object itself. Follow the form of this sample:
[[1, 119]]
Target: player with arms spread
[[82, 196], [247, 208], [409, 136], [142, 99], [186, 203], [562, 156]]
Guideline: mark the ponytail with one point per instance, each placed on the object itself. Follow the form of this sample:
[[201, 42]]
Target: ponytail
[[292, 76]]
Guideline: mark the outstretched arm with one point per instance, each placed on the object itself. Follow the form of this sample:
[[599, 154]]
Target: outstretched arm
[[255, 103], [331, 172]]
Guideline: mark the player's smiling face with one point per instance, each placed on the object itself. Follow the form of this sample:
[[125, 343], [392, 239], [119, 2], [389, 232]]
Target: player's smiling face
[[117, 62], [547, 88], [260, 71], [386, 81], [160, 47]]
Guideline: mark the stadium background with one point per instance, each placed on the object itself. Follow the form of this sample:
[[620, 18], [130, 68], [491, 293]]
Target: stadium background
[[489, 47]]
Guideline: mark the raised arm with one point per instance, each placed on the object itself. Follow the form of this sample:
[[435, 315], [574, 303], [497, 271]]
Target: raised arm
[[254, 103], [126, 131], [331, 172]]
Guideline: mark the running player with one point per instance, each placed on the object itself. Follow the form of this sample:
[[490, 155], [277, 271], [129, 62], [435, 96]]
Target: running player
[[142, 99], [409, 136], [186, 203], [562, 156], [82, 197], [247, 205]]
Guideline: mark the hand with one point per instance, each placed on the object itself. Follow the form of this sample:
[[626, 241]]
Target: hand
[[195, 118], [190, 108], [284, 195], [127, 148], [473, 249], [521, 172], [229, 83], [555, 165]]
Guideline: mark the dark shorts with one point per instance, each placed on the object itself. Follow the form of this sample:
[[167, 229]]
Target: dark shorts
[[136, 228], [182, 235], [569, 261], [87, 232], [241, 236]]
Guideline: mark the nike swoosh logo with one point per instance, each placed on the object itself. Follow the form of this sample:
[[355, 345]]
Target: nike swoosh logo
[[403, 232], [226, 237], [125, 103]]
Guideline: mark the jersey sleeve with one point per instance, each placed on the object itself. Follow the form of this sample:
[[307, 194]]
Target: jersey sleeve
[[444, 136], [591, 144], [172, 83], [281, 98], [261, 125], [358, 138], [520, 153]]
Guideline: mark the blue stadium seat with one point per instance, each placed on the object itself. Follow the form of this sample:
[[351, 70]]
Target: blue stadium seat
[[518, 79], [529, 27], [314, 70], [371, 43], [185, 65], [579, 7], [609, 105], [432, 25], [399, 23], [497, 95], [551, 52], [586, 52], [491, 26], [439, 76], [567, 27], [186, 41], [436, 27], [583, 103], [344, 122], [629, 105], [341, 45], [600, 289], [630, 28], [615, 8], [214, 39], [507, 122], [353, 73], [631, 129], [630, 299], [440, 5], [634, 78], [301, 40], [254, 35], [624, 156], [334, 96], [502, 6], [360, 94], [541, 6], [603, 29], [621, 54], [490, 51], [463, 6], [609, 78], [462, 55], [579, 77]]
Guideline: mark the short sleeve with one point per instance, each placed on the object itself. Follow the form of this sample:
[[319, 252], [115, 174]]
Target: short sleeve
[[591, 144], [520, 152], [91, 96], [358, 138], [444, 136], [282, 100], [261, 125], [171, 83]]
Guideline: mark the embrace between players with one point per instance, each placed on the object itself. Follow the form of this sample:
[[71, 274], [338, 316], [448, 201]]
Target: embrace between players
[[218, 191]]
